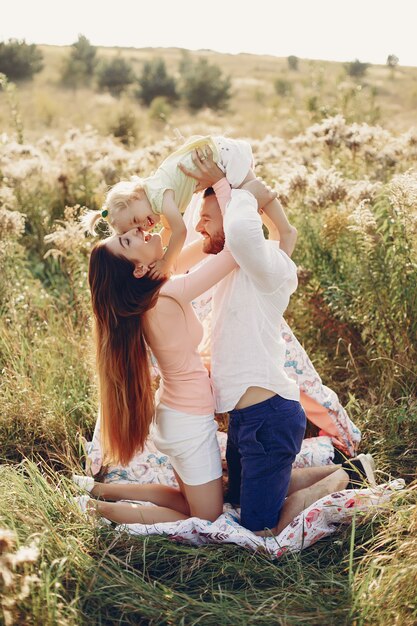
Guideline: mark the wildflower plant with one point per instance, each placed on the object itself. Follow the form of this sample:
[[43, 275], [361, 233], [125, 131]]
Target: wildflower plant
[[17, 578]]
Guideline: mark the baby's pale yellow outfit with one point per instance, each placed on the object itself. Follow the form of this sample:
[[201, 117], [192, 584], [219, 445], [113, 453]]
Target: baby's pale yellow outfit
[[233, 156]]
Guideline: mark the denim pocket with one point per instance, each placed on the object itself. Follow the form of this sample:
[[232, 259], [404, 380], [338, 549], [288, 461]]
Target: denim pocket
[[264, 436], [253, 436]]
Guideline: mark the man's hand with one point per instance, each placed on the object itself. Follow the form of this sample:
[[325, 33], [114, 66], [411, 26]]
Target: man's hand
[[206, 171], [159, 269], [262, 192]]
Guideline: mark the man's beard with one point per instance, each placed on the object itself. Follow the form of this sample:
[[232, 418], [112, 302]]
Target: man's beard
[[213, 244]]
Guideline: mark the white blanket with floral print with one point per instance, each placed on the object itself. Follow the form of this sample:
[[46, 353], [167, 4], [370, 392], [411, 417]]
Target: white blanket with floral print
[[319, 520]]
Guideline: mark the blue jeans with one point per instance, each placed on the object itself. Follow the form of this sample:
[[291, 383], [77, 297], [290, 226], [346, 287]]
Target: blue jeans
[[263, 441]]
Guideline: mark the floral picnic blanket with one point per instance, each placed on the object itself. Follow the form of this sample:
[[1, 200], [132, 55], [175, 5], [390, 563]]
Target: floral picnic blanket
[[321, 519]]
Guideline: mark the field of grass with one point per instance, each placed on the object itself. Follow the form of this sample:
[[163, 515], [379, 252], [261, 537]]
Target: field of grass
[[318, 88], [345, 167]]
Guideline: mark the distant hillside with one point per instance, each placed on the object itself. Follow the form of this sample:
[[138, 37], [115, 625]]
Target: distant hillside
[[258, 107]]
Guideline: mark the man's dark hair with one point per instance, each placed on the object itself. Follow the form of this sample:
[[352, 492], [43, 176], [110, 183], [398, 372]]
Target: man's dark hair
[[208, 192]]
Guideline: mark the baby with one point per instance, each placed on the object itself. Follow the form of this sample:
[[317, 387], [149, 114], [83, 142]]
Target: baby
[[167, 193]]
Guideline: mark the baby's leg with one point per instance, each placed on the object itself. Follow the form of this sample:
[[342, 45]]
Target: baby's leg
[[279, 226], [249, 176], [277, 223]]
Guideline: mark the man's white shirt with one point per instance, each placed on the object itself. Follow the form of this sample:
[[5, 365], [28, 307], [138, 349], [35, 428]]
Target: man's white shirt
[[248, 305]]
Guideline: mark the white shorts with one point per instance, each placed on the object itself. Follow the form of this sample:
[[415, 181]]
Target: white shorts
[[191, 443]]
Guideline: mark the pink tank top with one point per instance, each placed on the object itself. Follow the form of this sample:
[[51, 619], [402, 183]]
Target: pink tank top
[[174, 333]]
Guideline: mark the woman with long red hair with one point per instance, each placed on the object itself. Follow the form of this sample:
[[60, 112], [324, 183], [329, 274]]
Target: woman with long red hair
[[133, 314]]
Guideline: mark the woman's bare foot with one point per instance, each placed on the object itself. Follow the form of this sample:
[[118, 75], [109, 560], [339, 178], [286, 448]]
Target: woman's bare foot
[[86, 483]]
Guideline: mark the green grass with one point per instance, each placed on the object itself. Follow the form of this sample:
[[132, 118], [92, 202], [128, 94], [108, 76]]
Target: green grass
[[88, 574]]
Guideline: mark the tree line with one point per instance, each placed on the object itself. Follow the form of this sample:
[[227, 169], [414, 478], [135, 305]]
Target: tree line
[[198, 83]]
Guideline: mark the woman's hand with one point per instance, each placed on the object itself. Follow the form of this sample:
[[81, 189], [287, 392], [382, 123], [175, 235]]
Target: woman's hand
[[207, 172], [159, 269]]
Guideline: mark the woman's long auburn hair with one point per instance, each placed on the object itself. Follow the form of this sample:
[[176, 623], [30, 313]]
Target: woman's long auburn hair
[[119, 303]]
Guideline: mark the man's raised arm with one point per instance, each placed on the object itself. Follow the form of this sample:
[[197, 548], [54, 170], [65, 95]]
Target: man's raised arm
[[261, 260]]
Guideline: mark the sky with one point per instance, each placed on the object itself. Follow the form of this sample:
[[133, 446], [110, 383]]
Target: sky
[[335, 30]]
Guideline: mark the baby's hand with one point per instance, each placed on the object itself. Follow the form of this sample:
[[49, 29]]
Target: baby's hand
[[159, 269]]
